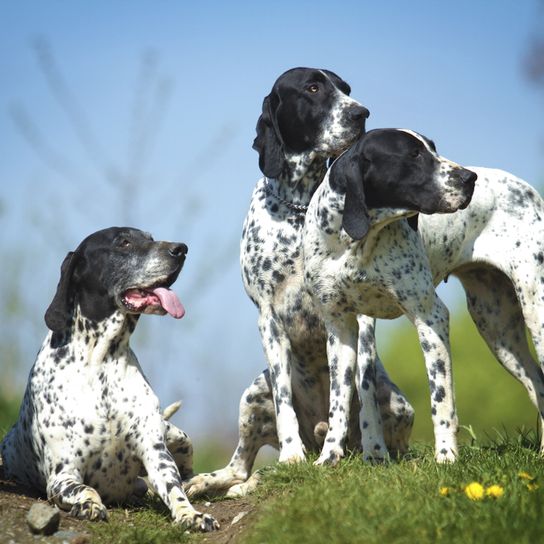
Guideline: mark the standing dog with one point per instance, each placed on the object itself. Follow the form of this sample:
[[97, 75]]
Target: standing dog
[[89, 422], [362, 260], [307, 118], [496, 248]]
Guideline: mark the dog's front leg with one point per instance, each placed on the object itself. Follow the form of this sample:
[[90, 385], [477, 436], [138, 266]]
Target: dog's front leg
[[433, 332], [342, 358], [372, 439], [279, 355], [164, 476], [67, 490]]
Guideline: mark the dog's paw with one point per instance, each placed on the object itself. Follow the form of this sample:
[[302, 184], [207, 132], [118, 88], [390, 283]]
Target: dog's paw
[[196, 521], [89, 510], [199, 485], [330, 457], [244, 488], [211, 483], [292, 454], [376, 457], [374, 449], [445, 456]]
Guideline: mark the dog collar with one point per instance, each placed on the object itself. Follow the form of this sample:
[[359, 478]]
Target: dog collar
[[298, 208]]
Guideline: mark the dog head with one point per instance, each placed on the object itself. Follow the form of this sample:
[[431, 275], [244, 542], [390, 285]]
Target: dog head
[[307, 111], [117, 269], [396, 168]]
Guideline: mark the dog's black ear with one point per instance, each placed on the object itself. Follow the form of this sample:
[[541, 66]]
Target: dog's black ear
[[60, 310], [268, 142], [413, 222], [347, 174]]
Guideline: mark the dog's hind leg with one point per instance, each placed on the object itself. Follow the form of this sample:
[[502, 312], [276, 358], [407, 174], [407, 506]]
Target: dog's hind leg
[[181, 447], [68, 492], [530, 293], [495, 309], [396, 412], [257, 427]]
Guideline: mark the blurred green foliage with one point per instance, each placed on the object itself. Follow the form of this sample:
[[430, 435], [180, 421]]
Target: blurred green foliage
[[9, 409], [489, 399]]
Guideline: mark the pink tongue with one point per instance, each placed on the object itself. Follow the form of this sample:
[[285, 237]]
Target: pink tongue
[[170, 302]]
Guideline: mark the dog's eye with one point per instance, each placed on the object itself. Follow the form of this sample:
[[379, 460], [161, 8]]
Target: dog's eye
[[123, 242], [416, 153], [313, 88]]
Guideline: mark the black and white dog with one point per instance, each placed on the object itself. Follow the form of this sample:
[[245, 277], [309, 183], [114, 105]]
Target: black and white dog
[[307, 118], [362, 260], [90, 423]]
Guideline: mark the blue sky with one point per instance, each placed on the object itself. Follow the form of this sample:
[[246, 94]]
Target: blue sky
[[170, 151]]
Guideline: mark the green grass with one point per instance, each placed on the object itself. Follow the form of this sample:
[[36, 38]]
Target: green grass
[[400, 502]]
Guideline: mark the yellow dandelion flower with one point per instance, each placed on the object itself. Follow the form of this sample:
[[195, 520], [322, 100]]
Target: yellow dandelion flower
[[525, 476], [474, 491], [444, 491], [531, 486], [494, 491]]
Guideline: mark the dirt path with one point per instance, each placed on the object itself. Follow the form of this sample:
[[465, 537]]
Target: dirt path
[[15, 502]]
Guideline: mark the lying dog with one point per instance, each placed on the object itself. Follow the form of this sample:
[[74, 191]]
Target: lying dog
[[307, 118], [362, 260], [89, 422]]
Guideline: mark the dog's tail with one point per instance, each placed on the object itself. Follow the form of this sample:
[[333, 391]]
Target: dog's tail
[[320, 431], [171, 409]]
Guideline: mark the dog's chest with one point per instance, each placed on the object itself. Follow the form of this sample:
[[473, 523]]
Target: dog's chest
[[372, 278], [272, 270], [270, 250], [94, 413]]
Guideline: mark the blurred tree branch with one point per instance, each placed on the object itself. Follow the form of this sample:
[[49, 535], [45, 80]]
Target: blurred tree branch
[[124, 180], [534, 59]]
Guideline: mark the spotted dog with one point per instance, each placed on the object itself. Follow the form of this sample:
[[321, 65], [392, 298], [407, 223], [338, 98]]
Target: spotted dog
[[362, 260], [89, 423], [496, 248], [307, 118]]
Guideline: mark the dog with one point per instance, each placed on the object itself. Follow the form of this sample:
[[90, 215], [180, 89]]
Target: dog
[[306, 119], [90, 423], [362, 260], [495, 247]]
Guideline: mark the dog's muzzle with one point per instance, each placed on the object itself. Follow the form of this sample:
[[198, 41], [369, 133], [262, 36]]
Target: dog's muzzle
[[466, 181]]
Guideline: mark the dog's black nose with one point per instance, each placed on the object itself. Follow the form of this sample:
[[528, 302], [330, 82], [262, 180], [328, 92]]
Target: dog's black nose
[[178, 250], [467, 176], [358, 113]]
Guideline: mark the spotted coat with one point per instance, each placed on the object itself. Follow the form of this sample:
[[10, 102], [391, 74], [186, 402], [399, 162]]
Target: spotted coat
[[89, 423], [496, 248], [287, 405], [362, 260]]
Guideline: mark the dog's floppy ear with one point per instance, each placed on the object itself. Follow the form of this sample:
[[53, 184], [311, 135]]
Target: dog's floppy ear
[[268, 142], [347, 174], [60, 310]]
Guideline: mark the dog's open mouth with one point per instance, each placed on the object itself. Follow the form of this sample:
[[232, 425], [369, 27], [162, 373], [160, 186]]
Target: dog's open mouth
[[156, 300]]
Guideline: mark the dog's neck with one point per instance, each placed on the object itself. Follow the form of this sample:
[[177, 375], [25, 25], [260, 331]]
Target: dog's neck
[[330, 209], [300, 179], [96, 342]]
